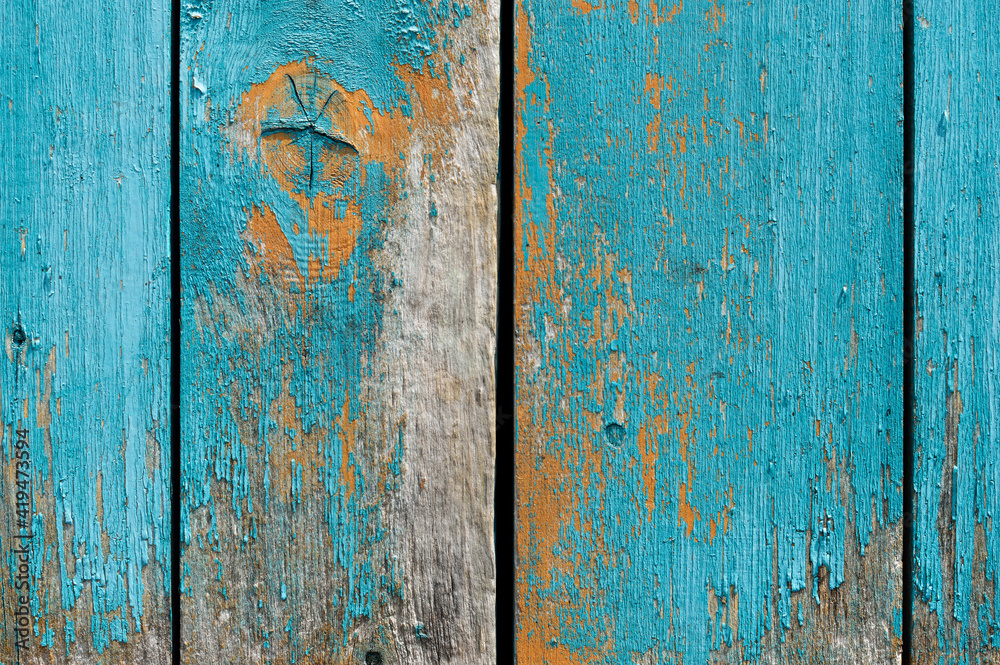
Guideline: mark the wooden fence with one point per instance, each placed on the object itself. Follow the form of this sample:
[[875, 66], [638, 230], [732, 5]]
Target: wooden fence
[[274, 272]]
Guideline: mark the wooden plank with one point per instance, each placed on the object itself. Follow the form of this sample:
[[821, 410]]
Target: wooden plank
[[709, 286], [339, 274], [956, 540], [85, 297]]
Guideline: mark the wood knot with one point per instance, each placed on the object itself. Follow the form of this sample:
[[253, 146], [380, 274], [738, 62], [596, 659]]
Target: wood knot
[[305, 136], [311, 136], [331, 151]]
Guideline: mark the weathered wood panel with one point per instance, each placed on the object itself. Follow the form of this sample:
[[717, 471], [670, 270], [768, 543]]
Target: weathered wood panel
[[85, 300], [709, 318], [957, 295], [339, 276]]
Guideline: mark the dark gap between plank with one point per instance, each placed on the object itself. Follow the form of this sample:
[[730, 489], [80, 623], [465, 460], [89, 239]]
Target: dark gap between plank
[[175, 332], [909, 349], [504, 494]]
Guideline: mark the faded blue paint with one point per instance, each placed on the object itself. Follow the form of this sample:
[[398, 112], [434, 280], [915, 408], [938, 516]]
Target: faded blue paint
[[747, 254], [256, 344], [957, 292], [84, 271]]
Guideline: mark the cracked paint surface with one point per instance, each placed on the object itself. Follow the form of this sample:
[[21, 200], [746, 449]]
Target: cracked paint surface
[[957, 296], [84, 292], [312, 133], [709, 331]]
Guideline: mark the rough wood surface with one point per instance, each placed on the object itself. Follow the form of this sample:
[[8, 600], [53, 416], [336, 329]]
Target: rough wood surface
[[709, 323], [957, 461], [339, 278], [85, 293]]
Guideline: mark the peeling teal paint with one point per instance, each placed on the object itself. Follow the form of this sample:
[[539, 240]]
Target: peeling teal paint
[[957, 300], [84, 273], [257, 345], [718, 248]]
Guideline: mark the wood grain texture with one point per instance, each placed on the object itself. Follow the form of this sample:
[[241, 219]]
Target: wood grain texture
[[84, 295], [339, 277], [709, 321], [957, 291]]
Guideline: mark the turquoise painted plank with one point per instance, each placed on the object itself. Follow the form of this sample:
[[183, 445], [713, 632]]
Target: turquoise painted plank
[[957, 292], [709, 283], [338, 168], [84, 296]]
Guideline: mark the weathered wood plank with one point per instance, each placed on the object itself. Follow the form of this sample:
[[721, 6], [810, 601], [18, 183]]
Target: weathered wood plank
[[85, 293], [709, 287], [338, 229], [957, 292]]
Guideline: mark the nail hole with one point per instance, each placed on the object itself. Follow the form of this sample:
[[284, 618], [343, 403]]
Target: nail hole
[[18, 336], [373, 658], [615, 433]]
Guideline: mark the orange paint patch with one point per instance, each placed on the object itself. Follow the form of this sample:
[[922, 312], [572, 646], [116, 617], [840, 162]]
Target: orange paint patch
[[347, 439], [653, 132], [271, 122], [633, 11], [648, 439], [584, 7], [716, 16], [685, 438], [654, 87], [660, 15], [263, 230], [685, 512]]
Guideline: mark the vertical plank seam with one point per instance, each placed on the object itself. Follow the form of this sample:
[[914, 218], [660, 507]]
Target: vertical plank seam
[[909, 349], [175, 333], [506, 439]]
